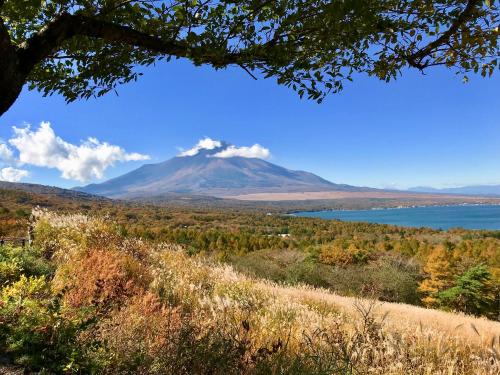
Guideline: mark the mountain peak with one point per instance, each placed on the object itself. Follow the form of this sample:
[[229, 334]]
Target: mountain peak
[[207, 152], [213, 168], [221, 149], [205, 146]]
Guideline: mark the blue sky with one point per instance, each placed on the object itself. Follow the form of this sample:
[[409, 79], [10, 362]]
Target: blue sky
[[428, 129]]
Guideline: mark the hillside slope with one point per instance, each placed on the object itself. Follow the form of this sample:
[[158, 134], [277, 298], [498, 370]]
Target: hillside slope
[[153, 309], [50, 191]]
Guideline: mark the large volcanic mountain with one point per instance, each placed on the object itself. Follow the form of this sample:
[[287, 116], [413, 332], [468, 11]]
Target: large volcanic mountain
[[206, 174]]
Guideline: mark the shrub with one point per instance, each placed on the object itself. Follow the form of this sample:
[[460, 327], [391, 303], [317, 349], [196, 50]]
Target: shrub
[[22, 213], [17, 261], [34, 330], [100, 276], [393, 279], [141, 336]]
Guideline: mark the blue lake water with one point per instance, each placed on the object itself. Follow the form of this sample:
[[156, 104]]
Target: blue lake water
[[437, 217]]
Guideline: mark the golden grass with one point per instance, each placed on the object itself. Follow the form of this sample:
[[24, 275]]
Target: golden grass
[[310, 326], [402, 317], [437, 340]]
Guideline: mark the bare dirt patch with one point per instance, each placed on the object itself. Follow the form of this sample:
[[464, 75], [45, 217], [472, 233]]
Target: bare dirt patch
[[326, 195]]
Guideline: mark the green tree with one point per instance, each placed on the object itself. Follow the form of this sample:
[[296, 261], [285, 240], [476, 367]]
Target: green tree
[[85, 48], [472, 292]]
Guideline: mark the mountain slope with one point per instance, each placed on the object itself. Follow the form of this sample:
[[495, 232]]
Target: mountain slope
[[208, 175]]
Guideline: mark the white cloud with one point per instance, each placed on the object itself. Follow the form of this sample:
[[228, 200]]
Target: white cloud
[[43, 148], [12, 174], [6, 154], [255, 151], [204, 144]]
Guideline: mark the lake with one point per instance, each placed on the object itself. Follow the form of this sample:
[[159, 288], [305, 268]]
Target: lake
[[437, 217]]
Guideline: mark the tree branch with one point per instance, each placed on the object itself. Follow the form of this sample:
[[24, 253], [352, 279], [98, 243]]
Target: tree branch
[[248, 71], [415, 59], [67, 26]]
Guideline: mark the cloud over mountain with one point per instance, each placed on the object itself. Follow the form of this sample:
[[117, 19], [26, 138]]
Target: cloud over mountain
[[203, 144], [223, 150], [43, 148], [255, 151]]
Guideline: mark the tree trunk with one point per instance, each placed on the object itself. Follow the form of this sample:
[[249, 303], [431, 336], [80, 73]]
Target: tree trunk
[[11, 77], [11, 82]]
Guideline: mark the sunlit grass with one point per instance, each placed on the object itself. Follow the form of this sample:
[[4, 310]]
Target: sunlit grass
[[132, 307]]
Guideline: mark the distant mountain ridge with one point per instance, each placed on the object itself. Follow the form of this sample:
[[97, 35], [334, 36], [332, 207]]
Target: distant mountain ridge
[[44, 190], [206, 174], [488, 190]]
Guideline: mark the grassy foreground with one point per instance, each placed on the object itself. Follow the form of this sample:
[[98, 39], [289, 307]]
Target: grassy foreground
[[85, 299]]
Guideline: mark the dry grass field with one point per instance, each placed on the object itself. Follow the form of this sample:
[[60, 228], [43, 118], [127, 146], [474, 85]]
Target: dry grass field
[[403, 317], [110, 304]]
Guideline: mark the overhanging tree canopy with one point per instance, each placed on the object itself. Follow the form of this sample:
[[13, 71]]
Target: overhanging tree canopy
[[85, 48]]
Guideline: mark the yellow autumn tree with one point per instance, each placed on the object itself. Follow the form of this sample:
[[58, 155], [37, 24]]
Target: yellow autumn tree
[[439, 270], [336, 254]]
